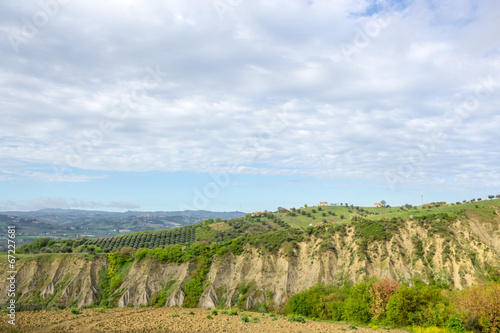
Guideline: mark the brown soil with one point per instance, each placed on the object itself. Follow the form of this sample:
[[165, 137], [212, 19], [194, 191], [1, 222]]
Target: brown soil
[[161, 320]]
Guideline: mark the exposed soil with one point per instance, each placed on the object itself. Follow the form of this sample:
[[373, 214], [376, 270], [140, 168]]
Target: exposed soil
[[164, 320]]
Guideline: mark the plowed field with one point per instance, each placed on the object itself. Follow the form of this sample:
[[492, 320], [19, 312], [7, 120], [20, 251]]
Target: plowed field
[[173, 320]]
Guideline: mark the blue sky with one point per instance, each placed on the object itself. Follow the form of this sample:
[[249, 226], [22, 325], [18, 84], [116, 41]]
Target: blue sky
[[239, 105]]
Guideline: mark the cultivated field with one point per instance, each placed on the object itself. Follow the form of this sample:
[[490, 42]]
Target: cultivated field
[[165, 320]]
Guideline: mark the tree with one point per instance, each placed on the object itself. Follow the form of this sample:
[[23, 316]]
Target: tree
[[382, 202], [358, 303], [417, 305], [381, 294], [481, 301]]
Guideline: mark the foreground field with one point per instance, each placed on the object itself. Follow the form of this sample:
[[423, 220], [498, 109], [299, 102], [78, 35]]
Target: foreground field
[[164, 320]]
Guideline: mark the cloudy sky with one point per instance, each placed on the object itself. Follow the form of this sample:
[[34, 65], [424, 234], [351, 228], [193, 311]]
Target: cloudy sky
[[247, 105]]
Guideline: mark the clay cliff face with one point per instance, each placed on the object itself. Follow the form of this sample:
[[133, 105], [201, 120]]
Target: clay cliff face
[[255, 277]]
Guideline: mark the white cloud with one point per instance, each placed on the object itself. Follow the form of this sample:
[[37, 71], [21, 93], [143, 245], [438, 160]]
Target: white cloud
[[226, 82], [59, 177]]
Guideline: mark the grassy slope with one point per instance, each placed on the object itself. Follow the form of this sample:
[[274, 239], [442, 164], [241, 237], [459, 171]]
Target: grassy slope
[[485, 211]]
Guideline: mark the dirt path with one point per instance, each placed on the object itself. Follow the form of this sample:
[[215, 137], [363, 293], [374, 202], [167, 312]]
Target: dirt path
[[172, 320]]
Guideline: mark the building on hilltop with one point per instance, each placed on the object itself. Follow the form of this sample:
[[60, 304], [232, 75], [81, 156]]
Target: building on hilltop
[[323, 203], [377, 204]]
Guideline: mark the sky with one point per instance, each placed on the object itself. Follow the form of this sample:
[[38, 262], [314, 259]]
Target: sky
[[247, 105]]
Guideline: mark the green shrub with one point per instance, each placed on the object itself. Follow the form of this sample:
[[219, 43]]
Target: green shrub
[[358, 303], [194, 287], [432, 329], [454, 324], [222, 251], [331, 307], [262, 308], [306, 302], [418, 305], [75, 311], [472, 325], [299, 319], [401, 306]]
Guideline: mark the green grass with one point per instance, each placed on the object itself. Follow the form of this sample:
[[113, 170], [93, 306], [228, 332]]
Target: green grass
[[484, 211]]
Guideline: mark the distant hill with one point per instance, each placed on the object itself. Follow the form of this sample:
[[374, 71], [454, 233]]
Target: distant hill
[[71, 223], [59, 213]]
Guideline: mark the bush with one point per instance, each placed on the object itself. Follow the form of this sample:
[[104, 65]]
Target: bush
[[454, 324], [355, 217], [418, 305], [194, 286], [245, 318], [222, 251], [432, 329], [75, 311], [479, 306], [381, 293], [331, 307], [299, 319], [306, 302], [358, 303], [401, 305], [472, 325]]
